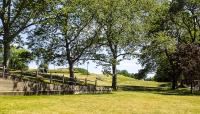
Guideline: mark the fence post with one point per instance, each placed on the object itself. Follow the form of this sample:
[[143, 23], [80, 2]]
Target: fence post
[[85, 81], [37, 73], [3, 73], [63, 78], [199, 84], [50, 78], [21, 73], [36, 89], [95, 84]]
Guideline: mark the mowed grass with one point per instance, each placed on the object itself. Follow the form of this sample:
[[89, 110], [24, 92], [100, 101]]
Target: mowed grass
[[105, 80], [116, 103], [133, 97]]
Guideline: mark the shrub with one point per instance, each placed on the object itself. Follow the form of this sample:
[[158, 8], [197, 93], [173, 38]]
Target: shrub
[[82, 71], [125, 73]]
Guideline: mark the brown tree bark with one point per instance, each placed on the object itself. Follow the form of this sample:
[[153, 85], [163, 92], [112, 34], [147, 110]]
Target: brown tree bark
[[6, 54], [174, 78], [114, 76], [174, 82], [71, 70], [71, 74], [191, 90]]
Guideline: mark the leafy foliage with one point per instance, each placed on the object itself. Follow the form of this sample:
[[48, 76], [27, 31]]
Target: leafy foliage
[[176, 24], [16, 17], [43, 67], [163, 73], [1, 51], [118, 34], [142, 74], [125, 73], [189, 60], [82, 71], [20, 59], [67, 36]]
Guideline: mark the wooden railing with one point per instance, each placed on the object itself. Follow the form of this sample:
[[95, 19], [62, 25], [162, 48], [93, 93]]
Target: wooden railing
[[51, 79], [3, 74], [60, 85]]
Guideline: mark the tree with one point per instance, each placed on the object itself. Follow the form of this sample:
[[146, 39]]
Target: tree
[[125, 73], [165, 36], [1, 51], [142, 73], [157, 56], [20, 59], [187, 18], [43, 67], [67, 37], [118, 34], [163, 72], [189, 61], [179, 23], [16, 16]]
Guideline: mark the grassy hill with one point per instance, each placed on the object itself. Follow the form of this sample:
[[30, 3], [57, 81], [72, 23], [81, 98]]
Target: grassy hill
[[105, 80], [134, 97]]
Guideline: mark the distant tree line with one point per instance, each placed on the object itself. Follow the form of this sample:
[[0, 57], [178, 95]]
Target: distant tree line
[[141, 75]]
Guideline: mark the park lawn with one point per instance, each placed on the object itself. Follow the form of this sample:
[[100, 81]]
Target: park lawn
[[107, 80], [134, 97], [122, 102]]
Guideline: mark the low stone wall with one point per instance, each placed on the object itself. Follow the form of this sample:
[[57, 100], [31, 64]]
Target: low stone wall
[[21, 87], [91, 90]]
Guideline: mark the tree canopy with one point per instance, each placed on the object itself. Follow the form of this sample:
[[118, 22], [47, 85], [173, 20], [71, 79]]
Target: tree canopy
[[163, 35], [68, 35], [16, 17]]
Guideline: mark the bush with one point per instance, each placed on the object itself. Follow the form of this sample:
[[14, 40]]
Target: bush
[[20, 58], [142, 73], [150, 79], [125, 73], [43, 68], [163, 73], [60, 70], [82, 71]]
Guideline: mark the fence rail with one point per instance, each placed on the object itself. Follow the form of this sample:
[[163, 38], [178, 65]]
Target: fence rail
[[54, 84]]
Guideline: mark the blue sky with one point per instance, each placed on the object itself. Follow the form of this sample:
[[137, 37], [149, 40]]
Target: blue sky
[[130, 65]]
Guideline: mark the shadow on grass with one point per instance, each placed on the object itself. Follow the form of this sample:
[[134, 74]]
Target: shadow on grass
[[162, 89], [165, 85]]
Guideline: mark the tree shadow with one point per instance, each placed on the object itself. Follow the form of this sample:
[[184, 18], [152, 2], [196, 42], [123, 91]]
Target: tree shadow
[[162, 89], [165, 85], [140, 88]]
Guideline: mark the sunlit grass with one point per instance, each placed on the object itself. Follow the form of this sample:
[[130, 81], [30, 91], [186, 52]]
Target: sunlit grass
[[139, 101], [105, 80], [116, 103]]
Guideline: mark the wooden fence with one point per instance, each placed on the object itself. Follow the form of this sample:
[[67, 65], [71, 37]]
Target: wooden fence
[[59, 86]]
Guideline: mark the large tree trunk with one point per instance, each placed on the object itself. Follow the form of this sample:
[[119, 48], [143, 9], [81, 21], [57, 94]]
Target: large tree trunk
[[174, 78], [174, 82], [71, 73], [191, 82], [114, 76], [181, 84], [6, 54], [70, 62], [191, 87], [71, 70], [114, 66]]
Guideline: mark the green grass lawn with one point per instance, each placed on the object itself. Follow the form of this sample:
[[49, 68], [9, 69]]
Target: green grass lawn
[[133, 97], [117, 103]]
